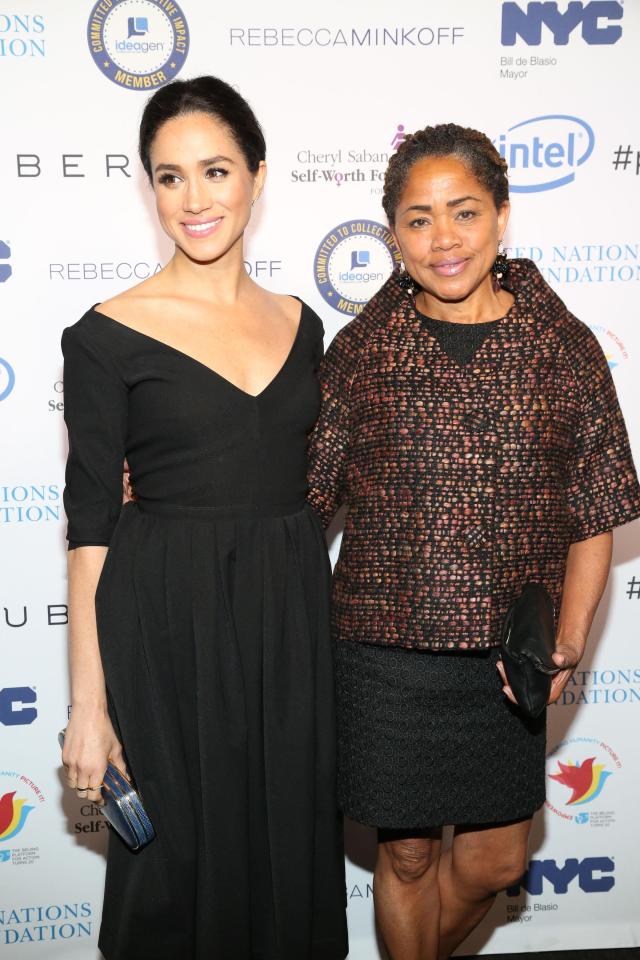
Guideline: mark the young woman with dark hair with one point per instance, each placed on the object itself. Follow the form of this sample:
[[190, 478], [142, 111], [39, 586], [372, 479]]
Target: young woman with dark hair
[[199, 634]]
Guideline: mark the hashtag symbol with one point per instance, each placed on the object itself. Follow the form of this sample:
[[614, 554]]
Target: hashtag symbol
[[622, 157], [633, 588]]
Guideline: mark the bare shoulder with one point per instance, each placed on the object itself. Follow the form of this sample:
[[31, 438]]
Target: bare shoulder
[[134, 307], [287, 306]]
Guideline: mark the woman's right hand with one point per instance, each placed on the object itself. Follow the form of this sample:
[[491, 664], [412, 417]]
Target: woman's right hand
[[90, 743]]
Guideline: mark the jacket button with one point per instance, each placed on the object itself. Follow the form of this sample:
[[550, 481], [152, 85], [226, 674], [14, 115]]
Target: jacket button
[[477, 421], [474, 536]]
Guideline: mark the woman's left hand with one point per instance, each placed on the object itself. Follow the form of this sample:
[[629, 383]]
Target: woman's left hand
[[567, 656]]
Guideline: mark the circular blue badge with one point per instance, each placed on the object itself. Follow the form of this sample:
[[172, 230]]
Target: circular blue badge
[[138, 44], [352, 262], [7, 379]]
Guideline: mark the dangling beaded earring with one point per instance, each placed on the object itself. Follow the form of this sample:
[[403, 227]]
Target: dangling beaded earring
[[406, 281], [500, 268]]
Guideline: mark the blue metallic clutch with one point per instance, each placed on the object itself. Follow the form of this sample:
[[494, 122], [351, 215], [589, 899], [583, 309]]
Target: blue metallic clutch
[[123, 807]]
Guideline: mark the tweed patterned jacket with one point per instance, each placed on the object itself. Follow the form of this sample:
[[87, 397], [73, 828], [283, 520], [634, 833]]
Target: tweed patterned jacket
[[463, 481]]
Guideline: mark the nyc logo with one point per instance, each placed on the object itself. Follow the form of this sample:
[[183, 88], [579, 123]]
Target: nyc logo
[[593, 18], [13, 815], [585, 780], [5, 268], [14, 709]]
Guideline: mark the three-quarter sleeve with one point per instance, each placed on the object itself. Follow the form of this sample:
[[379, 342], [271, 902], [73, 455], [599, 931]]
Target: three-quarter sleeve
[[95, 412], [602, 491]]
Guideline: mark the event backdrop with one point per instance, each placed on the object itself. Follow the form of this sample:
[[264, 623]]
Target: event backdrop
[[335, 85]]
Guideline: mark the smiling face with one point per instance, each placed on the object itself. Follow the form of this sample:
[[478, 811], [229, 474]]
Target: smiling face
[[448, 229], [203, 186]]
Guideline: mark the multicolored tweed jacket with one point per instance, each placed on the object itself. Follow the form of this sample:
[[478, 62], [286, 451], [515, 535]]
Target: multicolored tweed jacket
[[463, 481]]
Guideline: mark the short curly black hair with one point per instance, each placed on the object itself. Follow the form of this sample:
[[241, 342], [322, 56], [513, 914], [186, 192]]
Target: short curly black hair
[[446, 140]]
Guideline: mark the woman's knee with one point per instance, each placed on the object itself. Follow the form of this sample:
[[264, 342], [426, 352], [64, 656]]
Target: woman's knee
[[409, 860], [494, 871]]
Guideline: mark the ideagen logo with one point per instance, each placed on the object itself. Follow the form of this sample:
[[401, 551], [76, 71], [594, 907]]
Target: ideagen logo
[[352, 262], [5, 268], [592, 875], [545, 152], [13, 709], [7, 379], [138, 44], [593, 17]]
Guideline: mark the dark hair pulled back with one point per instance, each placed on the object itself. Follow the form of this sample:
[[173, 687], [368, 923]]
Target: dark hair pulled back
[[443, 140], [208, 95]]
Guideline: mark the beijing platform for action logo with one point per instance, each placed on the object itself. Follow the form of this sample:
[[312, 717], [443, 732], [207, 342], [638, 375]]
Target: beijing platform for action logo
[[138, 44], [580, 778]]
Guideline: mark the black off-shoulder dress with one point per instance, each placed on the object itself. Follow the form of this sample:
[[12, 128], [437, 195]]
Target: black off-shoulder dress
[[212, 613]]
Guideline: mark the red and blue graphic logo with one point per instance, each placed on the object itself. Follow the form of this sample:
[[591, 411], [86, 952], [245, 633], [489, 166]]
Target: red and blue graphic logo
[[13, 815], [585, 780], [580, 770]]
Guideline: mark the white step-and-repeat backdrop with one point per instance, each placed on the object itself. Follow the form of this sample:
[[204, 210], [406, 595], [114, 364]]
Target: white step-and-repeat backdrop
[[335, 85]]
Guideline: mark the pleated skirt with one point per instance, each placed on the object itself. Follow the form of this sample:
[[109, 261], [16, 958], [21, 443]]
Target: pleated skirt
[[214, 635]]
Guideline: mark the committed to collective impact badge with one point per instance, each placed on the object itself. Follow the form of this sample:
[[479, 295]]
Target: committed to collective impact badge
[[138, 44], [352, 262]]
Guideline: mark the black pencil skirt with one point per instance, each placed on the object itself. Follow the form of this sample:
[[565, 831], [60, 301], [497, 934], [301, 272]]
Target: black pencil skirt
[[428, 738]]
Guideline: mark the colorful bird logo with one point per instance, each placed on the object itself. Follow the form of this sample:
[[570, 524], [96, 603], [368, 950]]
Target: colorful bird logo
[[585, 780], [13, 815]]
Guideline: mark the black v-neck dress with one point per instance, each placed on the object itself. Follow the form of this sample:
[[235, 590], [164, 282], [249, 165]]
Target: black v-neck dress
[[212, 613]]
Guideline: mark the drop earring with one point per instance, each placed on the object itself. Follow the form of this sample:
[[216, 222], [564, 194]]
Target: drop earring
[[406, 281], [500, 267]]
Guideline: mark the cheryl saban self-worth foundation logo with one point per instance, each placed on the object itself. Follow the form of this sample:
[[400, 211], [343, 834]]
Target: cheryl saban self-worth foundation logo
[[17, 804], [352, 262], [138, 44], [578, 777]]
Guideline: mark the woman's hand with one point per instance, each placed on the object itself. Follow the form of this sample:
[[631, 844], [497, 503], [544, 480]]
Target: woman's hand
[[567, 656], [127, 489], [90, 743]]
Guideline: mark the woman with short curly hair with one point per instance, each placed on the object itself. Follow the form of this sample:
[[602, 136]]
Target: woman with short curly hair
[[471, 425]]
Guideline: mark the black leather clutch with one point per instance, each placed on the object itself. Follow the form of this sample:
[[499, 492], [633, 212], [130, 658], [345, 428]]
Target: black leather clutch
[[528, 642], [123, 807]]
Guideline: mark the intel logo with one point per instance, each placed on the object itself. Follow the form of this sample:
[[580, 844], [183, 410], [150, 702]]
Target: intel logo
[[544, 152]]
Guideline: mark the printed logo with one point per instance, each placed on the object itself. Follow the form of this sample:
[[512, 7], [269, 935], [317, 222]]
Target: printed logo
[[39, 922], [352, 262], [21, 35], [584, 780], [591, 875], [5, 268], [13, 706], [592, 17], [545, 152], [13, 815], [138, 44], [579, 779], [30, 503], [7, 379], [19, 797], [613, 347], [399, 136]]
